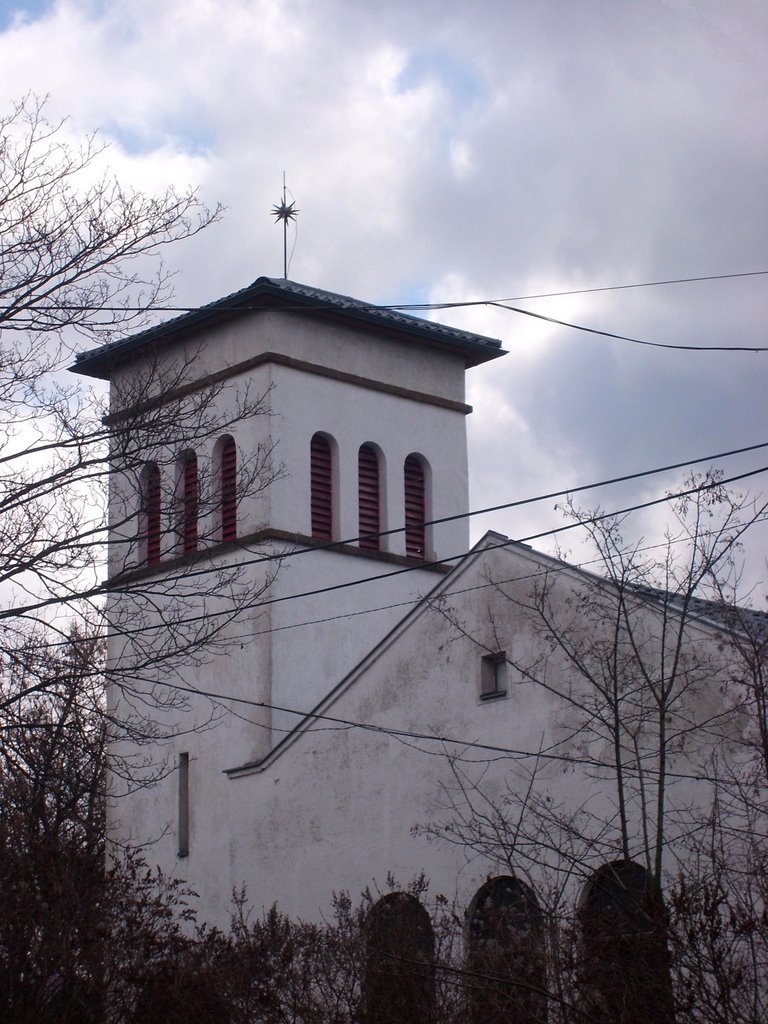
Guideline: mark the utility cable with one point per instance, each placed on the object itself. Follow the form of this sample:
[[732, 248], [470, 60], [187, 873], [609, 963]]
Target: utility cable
[[564, 493], [624, 337], [604, 288], [523, 540], [140, 585], [256, 604], [189, 573], [417, 306], [582, 566], [337, 722], [408, 603]]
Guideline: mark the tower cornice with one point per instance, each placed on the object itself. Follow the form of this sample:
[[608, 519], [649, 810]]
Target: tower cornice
[[293, 299]]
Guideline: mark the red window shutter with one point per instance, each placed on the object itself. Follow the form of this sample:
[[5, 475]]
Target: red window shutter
[[189, 505], [228, 490], [322, 488], [415, 507], [151, 529], [368, 497]]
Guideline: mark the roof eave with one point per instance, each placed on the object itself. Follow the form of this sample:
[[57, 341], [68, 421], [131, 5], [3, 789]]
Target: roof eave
[[268, 293]]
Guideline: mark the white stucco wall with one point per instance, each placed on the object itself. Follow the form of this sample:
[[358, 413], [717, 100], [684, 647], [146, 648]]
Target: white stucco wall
[[336, 808], [353, 415], [286, 651]]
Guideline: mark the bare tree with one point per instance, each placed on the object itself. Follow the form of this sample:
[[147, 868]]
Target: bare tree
[[79, 250], [654, 680], [81, 257], [52, 762]]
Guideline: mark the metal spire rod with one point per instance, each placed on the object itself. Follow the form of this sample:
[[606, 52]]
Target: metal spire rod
[[284, 212]]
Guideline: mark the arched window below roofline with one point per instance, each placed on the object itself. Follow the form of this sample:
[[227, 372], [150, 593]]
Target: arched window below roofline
[[226, 501], [323, 501], [149, 514], [371, 499], [417, 484], [188, 502], [399, 979]]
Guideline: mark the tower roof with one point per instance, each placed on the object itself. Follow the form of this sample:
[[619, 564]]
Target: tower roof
[[269, 293]]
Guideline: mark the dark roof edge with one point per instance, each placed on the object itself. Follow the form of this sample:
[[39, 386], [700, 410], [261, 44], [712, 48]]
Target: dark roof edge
[[278, 293]]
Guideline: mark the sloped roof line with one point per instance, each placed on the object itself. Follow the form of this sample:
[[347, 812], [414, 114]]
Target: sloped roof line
[[720, 614], [290, 296], [710, 614], [717, 614], [487, 542]]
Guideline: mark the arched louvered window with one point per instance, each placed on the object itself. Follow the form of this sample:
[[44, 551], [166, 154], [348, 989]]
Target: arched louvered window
[[369, 489], [415, 507], [505, 946], [399, 982], [189, 503], [149, 522], [228, 488], [321, 472], [624, 964]]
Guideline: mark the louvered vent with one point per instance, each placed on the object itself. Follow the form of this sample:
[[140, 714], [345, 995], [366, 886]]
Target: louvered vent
[[151, 525], [228, 490], [322, 488], [368, 498], [189, 505], [415, 510]]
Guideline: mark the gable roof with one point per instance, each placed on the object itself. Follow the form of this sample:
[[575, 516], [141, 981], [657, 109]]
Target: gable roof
[[710, 615], [269, 293], [488, 542]]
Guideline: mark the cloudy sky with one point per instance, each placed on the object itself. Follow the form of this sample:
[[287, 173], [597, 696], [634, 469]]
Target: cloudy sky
[[447, 152]]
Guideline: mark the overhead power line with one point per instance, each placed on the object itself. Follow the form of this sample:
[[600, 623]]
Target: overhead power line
[[413, 735], [186, 573], [408, 603], [521, 540], [625, 337], [624, 287], [392, 574], [520, 502], [424, 306], [19, 321], [411, 602]]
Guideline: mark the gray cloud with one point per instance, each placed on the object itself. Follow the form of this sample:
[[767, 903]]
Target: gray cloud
[[463, 151]]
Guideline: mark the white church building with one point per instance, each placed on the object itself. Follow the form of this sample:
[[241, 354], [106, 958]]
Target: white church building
[[372, 696]]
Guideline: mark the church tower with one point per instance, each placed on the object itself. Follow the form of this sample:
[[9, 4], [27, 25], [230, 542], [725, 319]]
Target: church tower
[[301, 477]]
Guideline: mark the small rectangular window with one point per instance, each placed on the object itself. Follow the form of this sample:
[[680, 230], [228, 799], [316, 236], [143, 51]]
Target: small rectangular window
[[183, 823], [493, 676]]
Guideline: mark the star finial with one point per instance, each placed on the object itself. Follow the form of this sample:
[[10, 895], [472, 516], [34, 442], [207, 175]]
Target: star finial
[[284, 211]]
